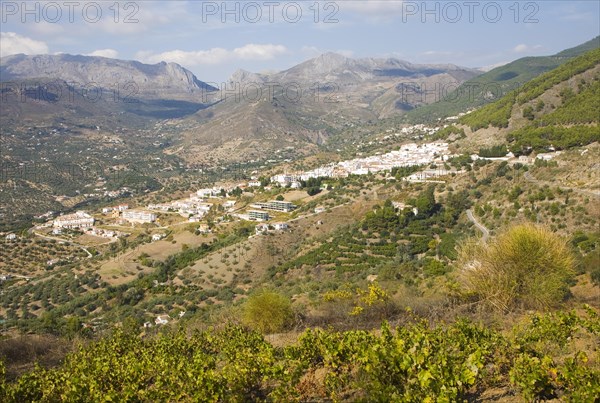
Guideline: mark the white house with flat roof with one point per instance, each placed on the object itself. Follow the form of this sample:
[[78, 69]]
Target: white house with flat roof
[[280, 226], [139, 216], [229, 204], [206, 193]]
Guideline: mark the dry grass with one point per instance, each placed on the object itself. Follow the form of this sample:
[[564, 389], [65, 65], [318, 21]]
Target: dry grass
[[20, 353], [124, 266]]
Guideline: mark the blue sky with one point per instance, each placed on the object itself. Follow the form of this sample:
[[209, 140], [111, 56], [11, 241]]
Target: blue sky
[[274, 35]]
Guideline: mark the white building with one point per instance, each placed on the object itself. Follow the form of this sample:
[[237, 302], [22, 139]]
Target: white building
[[80, 219], [139, 216], [261, 229], [548, 156], [258, 215], [195, 198], [407, 155], [284, 179], [276, 205], [160, 206], [157, 237], [11, 237], [280, 226], [103, 233], [162, 319], [120, 207], [205, 207], [206, 193], [229, 204]]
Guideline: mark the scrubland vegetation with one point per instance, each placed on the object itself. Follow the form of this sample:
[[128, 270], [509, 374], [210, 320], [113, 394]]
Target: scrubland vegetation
[[388, 293]]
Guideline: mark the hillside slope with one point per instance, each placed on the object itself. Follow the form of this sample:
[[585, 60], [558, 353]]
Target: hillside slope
[[557, 110], [492, 85], [499, 113]]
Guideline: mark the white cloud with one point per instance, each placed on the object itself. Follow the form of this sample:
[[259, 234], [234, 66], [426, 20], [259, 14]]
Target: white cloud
[[259, 52], [215, 55], [12, 44], [522, 48], [110, 53]]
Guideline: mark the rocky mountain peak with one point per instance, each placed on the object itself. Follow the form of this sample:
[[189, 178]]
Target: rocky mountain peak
[[170, 78]]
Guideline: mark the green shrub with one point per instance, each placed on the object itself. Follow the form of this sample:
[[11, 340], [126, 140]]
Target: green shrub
[[528, 112], [268, 311], [527, 266]]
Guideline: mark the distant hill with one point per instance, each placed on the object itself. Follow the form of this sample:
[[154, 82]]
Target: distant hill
[[303, 106], [384, 86], [490, 86], [557, 110]]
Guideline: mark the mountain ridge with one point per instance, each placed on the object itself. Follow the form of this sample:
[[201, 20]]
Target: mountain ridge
[[150, 79], [304, 105], [503, 79], [329, 64]]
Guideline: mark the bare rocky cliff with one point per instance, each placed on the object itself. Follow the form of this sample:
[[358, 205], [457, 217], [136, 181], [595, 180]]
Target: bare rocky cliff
[[150, 79]]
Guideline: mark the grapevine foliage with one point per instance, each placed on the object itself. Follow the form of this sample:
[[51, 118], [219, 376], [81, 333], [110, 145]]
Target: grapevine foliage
[[413, 363]]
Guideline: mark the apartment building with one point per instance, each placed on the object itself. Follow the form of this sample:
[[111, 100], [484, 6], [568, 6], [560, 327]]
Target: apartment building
[[80, 219], [275, 205], [256, 215]]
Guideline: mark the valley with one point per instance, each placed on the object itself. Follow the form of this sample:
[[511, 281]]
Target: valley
[[350, 246]]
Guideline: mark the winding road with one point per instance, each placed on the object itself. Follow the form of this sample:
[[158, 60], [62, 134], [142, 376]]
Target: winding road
[[84, 248], [480, 227]]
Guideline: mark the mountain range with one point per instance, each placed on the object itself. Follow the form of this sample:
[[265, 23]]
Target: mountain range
[[301, 107], [249, 115]]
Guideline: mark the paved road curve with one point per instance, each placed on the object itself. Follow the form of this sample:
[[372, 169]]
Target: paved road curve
[[480, 227]]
